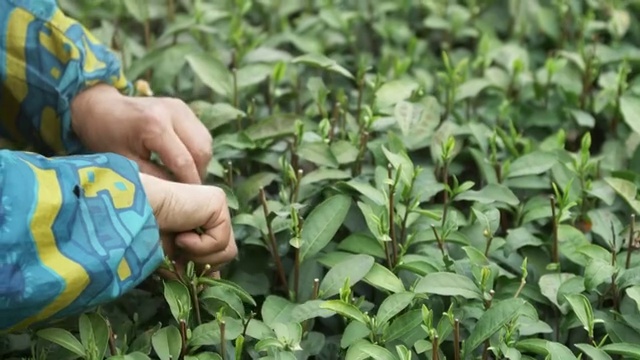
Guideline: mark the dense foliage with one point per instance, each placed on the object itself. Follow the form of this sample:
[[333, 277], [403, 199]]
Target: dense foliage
[[409, 179]]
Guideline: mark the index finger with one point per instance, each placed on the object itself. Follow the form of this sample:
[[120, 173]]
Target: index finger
[[194, 135], [175, 156]]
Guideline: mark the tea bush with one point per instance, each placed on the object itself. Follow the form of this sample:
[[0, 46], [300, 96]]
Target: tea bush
[[409, 179]]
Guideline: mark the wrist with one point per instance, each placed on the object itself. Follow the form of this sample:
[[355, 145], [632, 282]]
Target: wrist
[[87, 104]]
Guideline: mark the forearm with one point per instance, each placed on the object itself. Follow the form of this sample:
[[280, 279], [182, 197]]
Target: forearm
[[50, 59], [76, 232]]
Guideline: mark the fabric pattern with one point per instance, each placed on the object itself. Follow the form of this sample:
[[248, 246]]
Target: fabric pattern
[[46, 59], [75, 231]]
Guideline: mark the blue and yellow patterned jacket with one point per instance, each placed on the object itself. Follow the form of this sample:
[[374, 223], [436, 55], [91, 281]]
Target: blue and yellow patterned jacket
[[76, 231]]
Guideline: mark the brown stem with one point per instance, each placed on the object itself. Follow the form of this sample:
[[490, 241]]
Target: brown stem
[[403, 227], [272, 240], [335, 117], [364, 138], [196, 303], [296, 188], [314, 296], [485, 351], [434, 347], [554, 246], [223, 345], [488, 246], [298, 92], [630, 241], [183, 337], [387, 254], [439, 240], [268, 96], [316, 288], [296, 273], [171, 10], [456, 339], [445, 201], [392, 223], [112, 340], [360, 98], [245, 326]]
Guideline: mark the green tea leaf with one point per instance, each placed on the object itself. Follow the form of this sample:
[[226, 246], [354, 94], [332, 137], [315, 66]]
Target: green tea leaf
[[352, 333], [355, 268], [179, 299], [366, 350], [630, 108], [633, 292], [448, 284], [212, 73], [63, 338], [94, 330], [624, 349], [322, 224], [625, 189], [490, 194], [323, 62], [534, 163], [392, 305], [347, 310], [592, 352], [558, 351], [403, 325], [384, 279], [167, 343], [582, 308], [276, 309], [319, 153], [491, 321]]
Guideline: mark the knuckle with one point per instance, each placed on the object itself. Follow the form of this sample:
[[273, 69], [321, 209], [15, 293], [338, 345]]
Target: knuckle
[[153, 122], [204, 153], [181, 162]]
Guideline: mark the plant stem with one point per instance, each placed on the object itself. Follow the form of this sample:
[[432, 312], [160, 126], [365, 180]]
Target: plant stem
[[223, 346], [183, 337], [196, 303], [171, 10], [364, 137], [445, 201], [296, 188], [387, 254], [392, 223], [296, 272], [246, 324], [523, 282], [360, 98], [316, 288], [554, 246], [272, 240], [439, 240], [485, 351], [489, 240], [631, 242], [335, 118], [456, 339], [112, 340], [434, 348]]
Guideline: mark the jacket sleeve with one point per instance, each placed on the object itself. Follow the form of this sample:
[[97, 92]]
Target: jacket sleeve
[[46, 59], [75, 232]]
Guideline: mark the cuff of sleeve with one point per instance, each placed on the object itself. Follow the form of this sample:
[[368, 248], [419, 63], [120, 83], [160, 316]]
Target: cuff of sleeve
[[81, 233]]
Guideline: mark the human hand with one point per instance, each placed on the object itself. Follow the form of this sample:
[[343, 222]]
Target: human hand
[[107, 121], [180, 208]]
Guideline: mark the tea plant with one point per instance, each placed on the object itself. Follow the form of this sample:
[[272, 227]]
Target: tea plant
[[408, 180]]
